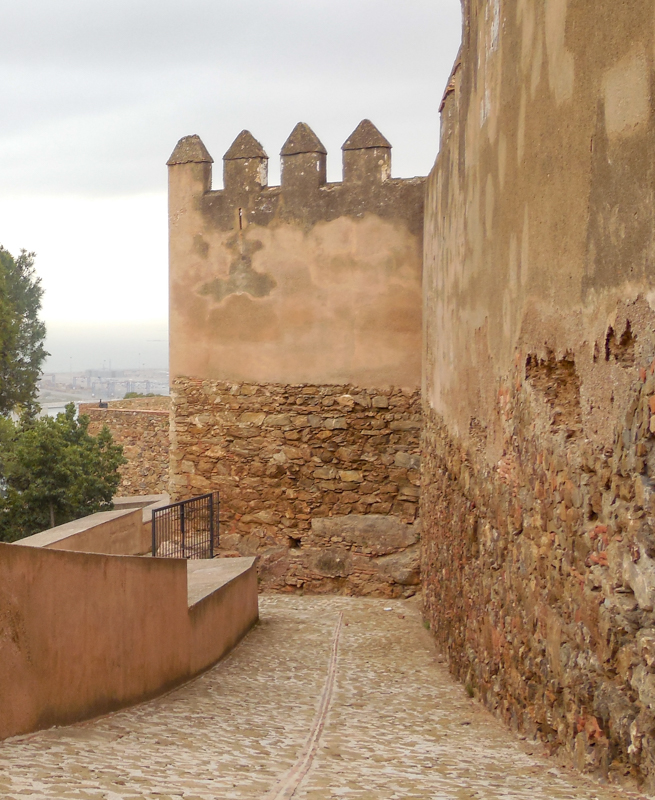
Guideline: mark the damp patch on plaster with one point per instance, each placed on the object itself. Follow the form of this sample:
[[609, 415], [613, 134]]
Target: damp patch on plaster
[[626, 90], [243, 278]]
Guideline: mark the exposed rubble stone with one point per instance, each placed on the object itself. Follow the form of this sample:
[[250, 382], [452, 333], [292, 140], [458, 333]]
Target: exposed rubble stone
[[543, 576], [319, 481]]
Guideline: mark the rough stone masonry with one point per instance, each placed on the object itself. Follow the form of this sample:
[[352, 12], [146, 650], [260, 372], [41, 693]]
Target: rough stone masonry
[[322, 482], [295, 326], [539, 451], [141, 425]]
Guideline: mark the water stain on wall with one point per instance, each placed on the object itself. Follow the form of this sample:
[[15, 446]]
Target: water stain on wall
[[243, 278]]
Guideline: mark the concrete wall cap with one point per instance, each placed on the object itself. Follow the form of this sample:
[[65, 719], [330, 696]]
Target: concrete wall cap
[[302, 140], [364, 137], [190, 150], [245, 146]]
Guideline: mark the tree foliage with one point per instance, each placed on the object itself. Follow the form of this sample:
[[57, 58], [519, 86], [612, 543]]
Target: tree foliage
[[54, 471], [21, 332]]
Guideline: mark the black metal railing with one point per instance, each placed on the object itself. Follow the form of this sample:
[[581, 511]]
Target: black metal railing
[[187, 529]]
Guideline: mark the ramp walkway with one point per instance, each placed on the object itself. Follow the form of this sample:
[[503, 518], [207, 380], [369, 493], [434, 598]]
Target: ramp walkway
[[327, 697]]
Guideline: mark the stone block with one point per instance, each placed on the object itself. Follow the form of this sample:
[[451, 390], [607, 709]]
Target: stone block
[[639, 574], [373, 533], [252, 417], [331, 562], [277, 420], [325, 473], [335, 423], [405, 425], [403, 568], [350, 476], [407, 460], [643, 682]]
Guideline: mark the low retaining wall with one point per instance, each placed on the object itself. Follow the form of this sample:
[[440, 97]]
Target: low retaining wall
[[119, 532], [83, 634], [147, 503], [126, 531]]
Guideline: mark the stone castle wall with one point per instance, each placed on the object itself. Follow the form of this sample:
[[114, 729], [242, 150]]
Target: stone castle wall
[[538, 471], [321, 482], [141, 425], [540, 580]]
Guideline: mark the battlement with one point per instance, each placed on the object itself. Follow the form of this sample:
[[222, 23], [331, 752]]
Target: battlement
[[304, 195]]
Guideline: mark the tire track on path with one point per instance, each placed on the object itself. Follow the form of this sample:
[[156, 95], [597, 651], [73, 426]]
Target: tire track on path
[[290, 781]]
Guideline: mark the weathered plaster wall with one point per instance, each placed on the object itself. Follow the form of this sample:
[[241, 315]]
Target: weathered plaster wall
[[539, 333], [141, 425], [306, 282], [295, 329]]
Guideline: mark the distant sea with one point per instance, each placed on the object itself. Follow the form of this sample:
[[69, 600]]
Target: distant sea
[[116, 346]]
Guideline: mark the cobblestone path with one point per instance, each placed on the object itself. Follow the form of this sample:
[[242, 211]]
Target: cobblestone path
[[326, 698]]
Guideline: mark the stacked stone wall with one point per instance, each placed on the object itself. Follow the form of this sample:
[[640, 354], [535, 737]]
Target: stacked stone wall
[[542, 569], [321, 482], [141, 426]]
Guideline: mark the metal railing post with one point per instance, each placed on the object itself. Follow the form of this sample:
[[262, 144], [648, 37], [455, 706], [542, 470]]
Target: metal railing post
[[182, 529], [211, 525], [154, 533]]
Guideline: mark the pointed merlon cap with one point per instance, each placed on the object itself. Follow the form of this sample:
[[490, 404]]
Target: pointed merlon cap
[[190, 150], [302, 140], [364, 137], [245, 146]]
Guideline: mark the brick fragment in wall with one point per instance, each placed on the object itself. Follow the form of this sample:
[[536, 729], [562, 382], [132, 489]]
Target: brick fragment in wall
[[142, 427], [539, 577], [321, 482]]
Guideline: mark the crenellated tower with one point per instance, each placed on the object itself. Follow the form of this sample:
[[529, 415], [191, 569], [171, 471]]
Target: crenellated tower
[[295, 355]]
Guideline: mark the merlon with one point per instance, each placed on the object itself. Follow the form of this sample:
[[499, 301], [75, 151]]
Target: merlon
[[302, 140], [190, 150], [245, 146], [364, 137]]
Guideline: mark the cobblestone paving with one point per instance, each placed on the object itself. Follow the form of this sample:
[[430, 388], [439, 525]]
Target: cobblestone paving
[[397, 725]]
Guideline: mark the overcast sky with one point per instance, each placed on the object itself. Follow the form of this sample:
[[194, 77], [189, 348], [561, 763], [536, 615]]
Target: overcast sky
[[95, 95]]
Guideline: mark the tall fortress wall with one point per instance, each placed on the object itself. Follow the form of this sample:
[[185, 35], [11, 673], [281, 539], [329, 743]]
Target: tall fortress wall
[[538, 497], [295, 342]]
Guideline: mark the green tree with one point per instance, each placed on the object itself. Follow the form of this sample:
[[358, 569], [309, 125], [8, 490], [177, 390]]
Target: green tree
[[54, 472], [21, 332]]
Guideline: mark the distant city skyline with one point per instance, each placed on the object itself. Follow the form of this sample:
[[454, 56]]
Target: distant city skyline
[[100, 93]]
